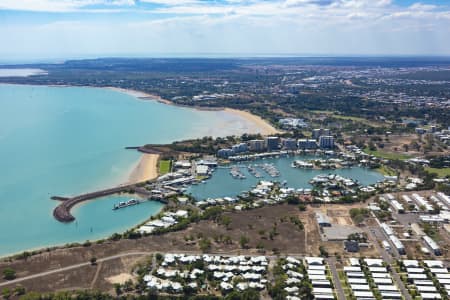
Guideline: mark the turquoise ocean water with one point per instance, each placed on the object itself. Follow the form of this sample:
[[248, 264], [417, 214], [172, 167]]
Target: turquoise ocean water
[[70, 140]]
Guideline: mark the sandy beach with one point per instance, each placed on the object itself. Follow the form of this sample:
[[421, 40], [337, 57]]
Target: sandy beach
[[146, 169], [264, 127], [141, 95]]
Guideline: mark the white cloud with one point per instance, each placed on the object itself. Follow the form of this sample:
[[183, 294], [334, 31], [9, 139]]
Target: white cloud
[[172, 2], [422, 7], [237, 26], [58, 5]]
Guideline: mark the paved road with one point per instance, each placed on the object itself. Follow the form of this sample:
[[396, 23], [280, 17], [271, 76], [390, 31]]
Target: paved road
[[372, 233], [337, 283], [400, 285]]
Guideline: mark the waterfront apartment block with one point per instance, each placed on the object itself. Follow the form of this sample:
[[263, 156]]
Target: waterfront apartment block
[[318, 132], [224, 153], [272, 143], [240, 148], [289, 144], [257, 145], [326, 142], [306, 144]]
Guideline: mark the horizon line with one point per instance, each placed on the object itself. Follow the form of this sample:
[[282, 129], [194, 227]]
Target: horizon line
[[54, 60]]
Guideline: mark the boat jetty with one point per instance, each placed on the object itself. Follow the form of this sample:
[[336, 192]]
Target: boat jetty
[[252, 170], [301, 164], [236, 173], [123, 204], [271, 170]]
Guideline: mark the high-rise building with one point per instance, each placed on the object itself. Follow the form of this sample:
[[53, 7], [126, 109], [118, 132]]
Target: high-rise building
[[326, 142], [272, 143], [289, 144], [307, 144], [225, 152], [239, 148], [317, 133], [257, 145]]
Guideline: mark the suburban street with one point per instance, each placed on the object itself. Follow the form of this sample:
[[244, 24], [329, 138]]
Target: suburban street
[[372, 233], [337, 283]]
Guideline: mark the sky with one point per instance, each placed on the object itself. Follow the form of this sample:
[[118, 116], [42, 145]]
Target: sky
[[62, 29]]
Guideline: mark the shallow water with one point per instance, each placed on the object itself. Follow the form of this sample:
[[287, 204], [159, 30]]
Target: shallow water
[[70, 140]]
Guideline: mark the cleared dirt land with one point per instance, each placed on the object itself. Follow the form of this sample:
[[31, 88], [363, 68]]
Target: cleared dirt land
[[403, 146], [269, 230], [255, 224]]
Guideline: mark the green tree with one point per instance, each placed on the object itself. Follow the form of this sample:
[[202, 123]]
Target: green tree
[[117, 289], [225, 221], [205, 244], [159, 257], [243, 241], [9, 274], [246, 295], [6, 293], [19, 290], [292, 199], [305, 290], [323, 251], [302, 206], [128, 285]]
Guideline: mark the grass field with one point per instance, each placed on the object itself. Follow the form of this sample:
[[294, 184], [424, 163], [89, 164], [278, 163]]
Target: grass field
[[164, 166], [444, 172], [385, 170], [387, 155], [350, 118]]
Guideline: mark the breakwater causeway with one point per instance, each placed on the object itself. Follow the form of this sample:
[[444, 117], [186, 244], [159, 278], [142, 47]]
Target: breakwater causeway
[[62, 211]]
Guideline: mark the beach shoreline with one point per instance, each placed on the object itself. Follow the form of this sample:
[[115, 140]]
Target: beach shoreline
[[140, 95], [145, 169], [263, 126]]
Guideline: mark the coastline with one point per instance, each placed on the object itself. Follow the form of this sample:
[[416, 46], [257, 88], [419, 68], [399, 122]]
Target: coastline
[[143, 169], [139, 95], [147, 166], [56, 246], [264, 127], [146, 169]]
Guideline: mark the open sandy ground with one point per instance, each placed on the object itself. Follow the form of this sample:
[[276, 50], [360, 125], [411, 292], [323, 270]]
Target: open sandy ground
[[120, 278], [146, 169]]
